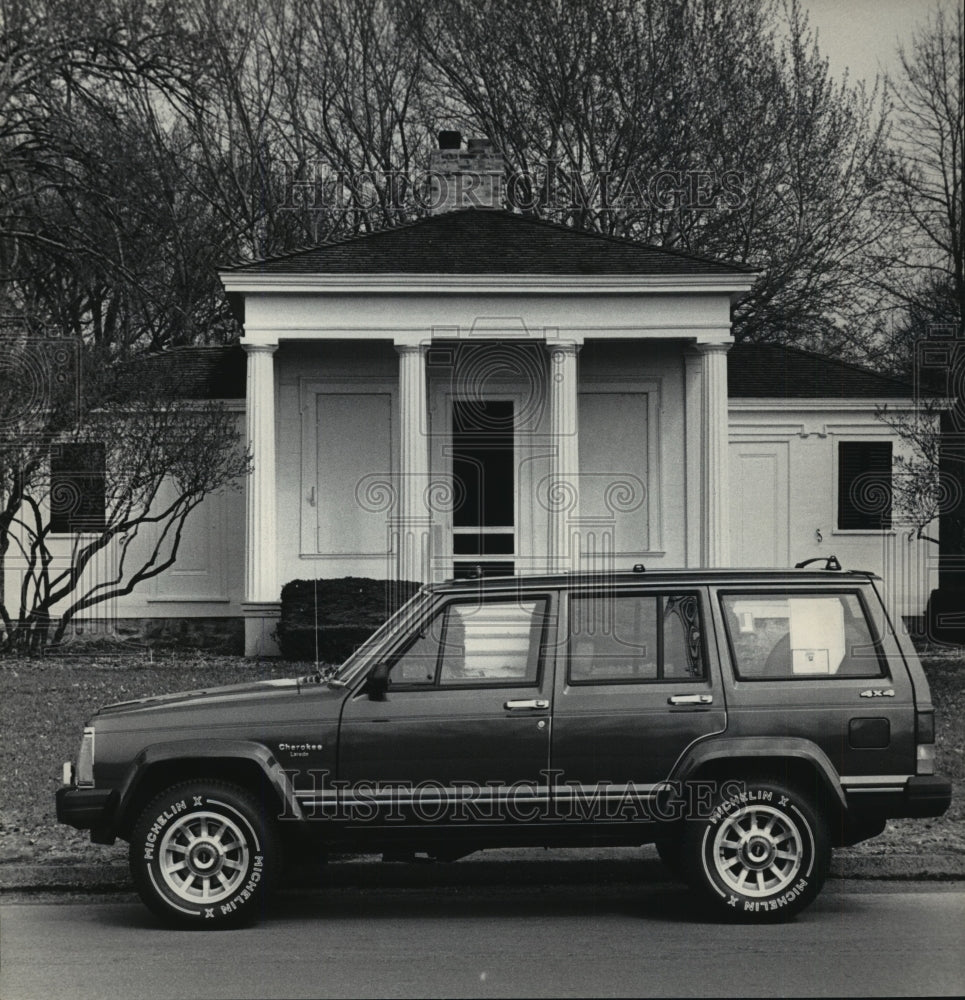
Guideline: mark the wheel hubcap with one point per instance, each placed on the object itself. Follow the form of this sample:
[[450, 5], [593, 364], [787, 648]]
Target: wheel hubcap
[[204, 857], [758, 850]]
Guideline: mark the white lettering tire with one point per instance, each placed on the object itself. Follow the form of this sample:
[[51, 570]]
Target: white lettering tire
[[762, 855], [203, 855]]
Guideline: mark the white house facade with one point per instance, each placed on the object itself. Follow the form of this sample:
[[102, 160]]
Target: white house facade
[[483, 392], [493, 421]]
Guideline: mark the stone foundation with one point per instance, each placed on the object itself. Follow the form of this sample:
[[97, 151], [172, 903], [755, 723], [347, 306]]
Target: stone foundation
[[215, 635]]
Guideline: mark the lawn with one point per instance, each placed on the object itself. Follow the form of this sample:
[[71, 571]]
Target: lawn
[[44, 703]]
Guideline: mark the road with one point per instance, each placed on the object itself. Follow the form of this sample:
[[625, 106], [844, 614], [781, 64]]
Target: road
[[858, 939]]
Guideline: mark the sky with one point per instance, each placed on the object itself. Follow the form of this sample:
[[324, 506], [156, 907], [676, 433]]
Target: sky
[[862, 35]]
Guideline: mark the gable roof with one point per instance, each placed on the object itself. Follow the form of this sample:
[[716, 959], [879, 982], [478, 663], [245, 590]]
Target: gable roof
[[487, 241], [779, 371], [754, 371]]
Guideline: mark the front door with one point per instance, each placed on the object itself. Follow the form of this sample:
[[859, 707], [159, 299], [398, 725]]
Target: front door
[[466, 713], [484, 480]]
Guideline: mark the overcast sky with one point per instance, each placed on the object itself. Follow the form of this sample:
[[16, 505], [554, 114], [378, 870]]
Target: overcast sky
[[863, 35]]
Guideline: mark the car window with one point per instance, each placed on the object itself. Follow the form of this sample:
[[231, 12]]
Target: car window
[[634, 638], [417, 665], [774, 636], [476, 643]]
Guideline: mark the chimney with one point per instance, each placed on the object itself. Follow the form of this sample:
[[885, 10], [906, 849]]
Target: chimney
[[464, 178]]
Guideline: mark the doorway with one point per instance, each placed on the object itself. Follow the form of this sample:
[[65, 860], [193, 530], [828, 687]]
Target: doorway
[[484, 468]]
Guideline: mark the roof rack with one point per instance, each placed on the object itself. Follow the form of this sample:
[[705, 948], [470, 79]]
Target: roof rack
[[830, 563]]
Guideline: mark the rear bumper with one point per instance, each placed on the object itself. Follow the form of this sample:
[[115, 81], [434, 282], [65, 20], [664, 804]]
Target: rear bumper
[[88, 809], [920, 797], [927, 796]]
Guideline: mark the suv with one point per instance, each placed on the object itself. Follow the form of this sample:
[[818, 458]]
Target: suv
[[745, 722]]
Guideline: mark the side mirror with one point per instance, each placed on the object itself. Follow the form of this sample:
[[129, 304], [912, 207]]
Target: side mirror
[[377, 682]]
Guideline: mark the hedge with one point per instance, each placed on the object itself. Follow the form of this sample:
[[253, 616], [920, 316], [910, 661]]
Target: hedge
[[330, 619]]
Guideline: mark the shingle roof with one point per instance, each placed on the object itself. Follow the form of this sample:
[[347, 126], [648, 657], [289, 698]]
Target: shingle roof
[[754, 371], [487, 241], [196, 372], [777, 371]]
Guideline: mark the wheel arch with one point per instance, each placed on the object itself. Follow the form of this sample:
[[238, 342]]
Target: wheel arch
[[251, 766], [795, 762]]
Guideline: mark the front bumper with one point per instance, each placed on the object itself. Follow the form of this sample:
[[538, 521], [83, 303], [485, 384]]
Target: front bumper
[[88, 809]]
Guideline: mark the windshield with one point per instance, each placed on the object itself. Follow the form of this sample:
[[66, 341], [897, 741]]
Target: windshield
[[411, 609]]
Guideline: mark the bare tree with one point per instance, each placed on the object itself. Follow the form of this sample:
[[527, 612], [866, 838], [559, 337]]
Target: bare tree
[[100, 467], [705, 126], [201, 131], [922, 277], [928, 98], [85, 191], [924, 488]]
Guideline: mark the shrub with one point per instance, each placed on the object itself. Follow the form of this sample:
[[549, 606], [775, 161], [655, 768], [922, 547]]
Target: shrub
[[332, 618]]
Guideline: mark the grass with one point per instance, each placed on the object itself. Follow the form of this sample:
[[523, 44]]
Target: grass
[[44, 704]]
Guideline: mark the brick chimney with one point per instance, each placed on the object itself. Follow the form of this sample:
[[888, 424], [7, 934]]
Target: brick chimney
[[465, 178]]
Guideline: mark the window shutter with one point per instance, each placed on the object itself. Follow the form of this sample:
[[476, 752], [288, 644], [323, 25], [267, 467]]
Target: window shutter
[[77, 488], [864, 485]]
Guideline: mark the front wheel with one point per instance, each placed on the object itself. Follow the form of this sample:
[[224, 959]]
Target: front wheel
[[762, 854], [203, 855]]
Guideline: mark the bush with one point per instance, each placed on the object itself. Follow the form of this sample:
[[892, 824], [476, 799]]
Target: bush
[[332, 618]]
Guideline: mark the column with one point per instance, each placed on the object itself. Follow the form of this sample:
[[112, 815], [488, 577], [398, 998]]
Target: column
[[693, 459], [715, 528], [413, 512], [262, 598], [563, 493]]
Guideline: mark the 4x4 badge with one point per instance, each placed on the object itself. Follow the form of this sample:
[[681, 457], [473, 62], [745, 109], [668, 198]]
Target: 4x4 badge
[[878, 693]]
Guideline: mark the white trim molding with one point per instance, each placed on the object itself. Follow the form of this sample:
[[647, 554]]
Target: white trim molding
[[541, 284]]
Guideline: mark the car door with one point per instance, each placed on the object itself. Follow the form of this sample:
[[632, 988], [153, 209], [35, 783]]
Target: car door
[[464, 714], [635, 688]]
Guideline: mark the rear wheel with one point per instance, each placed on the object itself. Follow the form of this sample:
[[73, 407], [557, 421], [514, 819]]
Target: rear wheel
[[762, 855], [203, 855]]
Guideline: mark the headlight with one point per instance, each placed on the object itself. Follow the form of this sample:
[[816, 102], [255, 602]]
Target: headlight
[[85, 758]]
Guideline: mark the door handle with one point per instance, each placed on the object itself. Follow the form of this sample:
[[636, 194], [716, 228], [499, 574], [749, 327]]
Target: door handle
[[691, 699], [528, 703]]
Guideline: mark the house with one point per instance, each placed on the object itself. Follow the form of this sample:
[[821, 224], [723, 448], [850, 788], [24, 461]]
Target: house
[[481, 391]]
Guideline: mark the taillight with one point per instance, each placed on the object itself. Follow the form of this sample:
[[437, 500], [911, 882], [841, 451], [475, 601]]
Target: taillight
[[925, 725], [85, 758]]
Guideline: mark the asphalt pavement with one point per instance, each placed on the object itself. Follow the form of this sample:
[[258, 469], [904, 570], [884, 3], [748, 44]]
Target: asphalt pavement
[[872, 938]]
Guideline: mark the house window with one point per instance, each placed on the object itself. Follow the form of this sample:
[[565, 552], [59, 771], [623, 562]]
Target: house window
[[77, 495], [864, 485]]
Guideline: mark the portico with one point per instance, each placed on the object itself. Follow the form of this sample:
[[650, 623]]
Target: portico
[[442, 423]]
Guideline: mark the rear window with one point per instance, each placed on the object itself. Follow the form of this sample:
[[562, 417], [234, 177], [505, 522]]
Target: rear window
[[777, 636]]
